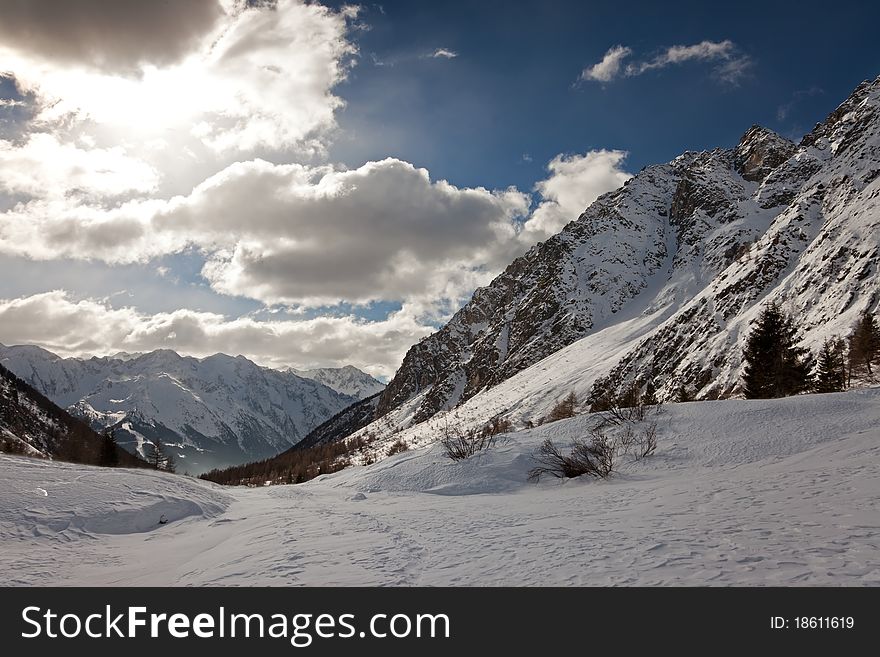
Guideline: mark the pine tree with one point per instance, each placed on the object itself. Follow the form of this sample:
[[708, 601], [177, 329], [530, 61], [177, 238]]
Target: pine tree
[[109, 457], [831, 371], [684, 394], [649, 398], [864, 346], [774, 365], [159, 458]]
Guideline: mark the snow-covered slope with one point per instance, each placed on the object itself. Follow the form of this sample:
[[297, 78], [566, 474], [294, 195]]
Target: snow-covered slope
[[215, 411], [33, 425], [661, 278], [347, 380], [769, 492]]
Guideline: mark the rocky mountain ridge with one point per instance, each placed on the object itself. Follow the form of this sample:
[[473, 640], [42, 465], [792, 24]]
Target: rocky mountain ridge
[[697, 245]]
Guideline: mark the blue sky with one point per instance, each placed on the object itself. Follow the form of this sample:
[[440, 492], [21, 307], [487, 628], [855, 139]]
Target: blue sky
[[211, 178], [510, 90]]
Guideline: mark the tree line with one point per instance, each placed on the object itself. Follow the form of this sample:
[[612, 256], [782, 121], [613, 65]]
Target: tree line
[[775, 366], [294, 466]]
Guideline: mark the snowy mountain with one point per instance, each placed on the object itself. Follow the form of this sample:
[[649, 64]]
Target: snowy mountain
[[30, 424], [659, 280], [213, 411], [347, 380]]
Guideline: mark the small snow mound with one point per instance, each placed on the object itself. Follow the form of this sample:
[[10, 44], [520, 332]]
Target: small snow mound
[[357, 497], [65, 501]]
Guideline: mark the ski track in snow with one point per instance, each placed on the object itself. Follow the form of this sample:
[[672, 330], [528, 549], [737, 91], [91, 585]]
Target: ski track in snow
[[782, 492]]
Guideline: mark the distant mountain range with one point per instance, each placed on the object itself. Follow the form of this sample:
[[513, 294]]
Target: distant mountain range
[[212, 412]]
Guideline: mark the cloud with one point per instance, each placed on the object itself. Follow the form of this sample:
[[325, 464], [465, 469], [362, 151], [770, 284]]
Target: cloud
[[732, 66], [92, 326], [118, 36], [314, 235], [575, 181], [318, 236], [44, 167], [260, 78], [144, 145], [703, 51], [444, 53], [607, 69], [785, 109]]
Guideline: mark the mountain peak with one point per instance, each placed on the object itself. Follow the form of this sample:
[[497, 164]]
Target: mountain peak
[[346, 380], [760, 150]]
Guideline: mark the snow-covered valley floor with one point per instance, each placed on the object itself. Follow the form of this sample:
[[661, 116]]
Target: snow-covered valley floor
[[783, 492]]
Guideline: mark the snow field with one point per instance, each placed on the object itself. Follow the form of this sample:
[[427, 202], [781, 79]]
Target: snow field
[[776, 492]]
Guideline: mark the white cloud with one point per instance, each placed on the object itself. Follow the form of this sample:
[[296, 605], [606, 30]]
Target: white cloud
[[705, 50], [607, 69], [44, 167], [317, 236], [444, 53], [575, 181], [732, 68], [313, 235], [91, 326], [255, 78]]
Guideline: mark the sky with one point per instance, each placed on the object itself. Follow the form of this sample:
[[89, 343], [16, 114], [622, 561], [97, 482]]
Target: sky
[[324, 184]]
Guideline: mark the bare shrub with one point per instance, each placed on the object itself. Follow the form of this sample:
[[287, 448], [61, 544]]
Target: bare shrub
[[498, 425], [648, 442], [594, 457], [397, 447], [459, 444], [565, 408]]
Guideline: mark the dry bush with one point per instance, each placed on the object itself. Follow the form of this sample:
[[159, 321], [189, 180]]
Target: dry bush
[[565, 408], [459, 445], [397, 447], [648, 443], [594, 458]]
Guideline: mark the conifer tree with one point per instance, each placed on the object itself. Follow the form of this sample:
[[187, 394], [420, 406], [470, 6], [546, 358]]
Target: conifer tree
[[159, 457], [831, 371], [774, 365], [649, 398], [109, 456], [684, 393], [864, 346]]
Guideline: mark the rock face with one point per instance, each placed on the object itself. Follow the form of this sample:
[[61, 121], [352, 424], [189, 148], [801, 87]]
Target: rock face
[[213, 412], [700, 242]]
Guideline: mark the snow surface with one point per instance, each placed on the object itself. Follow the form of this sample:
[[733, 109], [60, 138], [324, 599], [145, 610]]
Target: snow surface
[[777, 492]]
